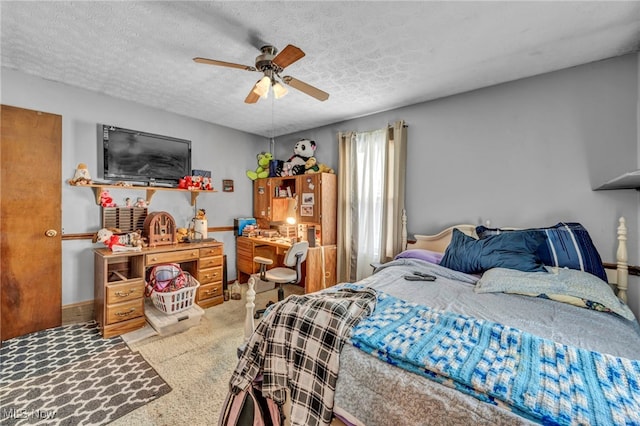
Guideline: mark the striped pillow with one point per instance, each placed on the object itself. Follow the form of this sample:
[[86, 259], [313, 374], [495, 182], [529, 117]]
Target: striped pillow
[[567, 245]]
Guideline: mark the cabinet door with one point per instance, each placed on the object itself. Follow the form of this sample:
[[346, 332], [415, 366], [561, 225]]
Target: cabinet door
[[309, 199], [321, 268], [262, 199]]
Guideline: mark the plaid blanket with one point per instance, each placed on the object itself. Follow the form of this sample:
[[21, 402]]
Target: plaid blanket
[[296, 346], [537, 378]]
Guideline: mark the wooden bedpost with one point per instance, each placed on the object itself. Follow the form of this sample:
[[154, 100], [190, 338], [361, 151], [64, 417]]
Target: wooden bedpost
[[248, 320], [622, 258]]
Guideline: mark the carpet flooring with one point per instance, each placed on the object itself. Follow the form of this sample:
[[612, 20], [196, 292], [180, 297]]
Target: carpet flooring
[[197, 364], [70, 375]]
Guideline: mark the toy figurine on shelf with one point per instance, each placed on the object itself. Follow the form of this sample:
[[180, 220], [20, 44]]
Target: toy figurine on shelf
[[199, 225], [106, 200], [141, 203], [116, 242], [81, 176]]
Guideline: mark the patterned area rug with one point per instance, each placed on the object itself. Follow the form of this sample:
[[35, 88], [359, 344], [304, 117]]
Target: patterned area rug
[[70, 375]]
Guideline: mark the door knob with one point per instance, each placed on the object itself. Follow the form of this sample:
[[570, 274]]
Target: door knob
[[51, 233]]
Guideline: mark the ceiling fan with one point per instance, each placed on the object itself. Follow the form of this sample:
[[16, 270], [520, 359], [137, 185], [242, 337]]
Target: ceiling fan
[[271, 64]]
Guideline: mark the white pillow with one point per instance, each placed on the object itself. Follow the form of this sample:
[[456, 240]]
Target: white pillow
[[561, 284]]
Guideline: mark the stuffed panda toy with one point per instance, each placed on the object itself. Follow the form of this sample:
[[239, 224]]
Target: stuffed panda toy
[[303, 150]]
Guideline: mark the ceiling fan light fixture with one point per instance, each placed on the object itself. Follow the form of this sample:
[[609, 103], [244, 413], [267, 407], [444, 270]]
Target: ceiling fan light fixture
[[279, 90], [271, 63], [262, 87]]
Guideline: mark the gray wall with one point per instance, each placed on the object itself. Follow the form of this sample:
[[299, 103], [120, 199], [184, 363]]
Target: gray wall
[[525, 153], [227, 153]]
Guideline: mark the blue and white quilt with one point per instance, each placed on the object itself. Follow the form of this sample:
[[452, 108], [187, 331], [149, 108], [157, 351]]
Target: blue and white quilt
[[537, 378]]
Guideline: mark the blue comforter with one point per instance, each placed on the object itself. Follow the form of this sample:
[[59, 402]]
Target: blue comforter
[[535, 377]]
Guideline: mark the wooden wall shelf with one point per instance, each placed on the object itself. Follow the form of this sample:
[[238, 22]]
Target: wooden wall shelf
[[150, 190]]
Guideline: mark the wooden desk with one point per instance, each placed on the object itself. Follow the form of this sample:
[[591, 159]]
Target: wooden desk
[[119, 280], [319, 270], [249, 247]]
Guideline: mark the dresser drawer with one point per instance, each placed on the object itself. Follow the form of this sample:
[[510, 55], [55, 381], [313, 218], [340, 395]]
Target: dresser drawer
[[172, 257], [211, 251], [117, 293], [206, 276], [210, 262], [210, 290], [125, 311]]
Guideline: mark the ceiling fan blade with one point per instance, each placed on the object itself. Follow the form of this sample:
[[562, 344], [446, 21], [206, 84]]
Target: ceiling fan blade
[[287, 56], [252, 97], [306, 88], [223, 64]]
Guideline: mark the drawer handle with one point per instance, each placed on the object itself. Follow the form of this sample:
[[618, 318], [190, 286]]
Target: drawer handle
[[124, 294], [213, 291], [153, 259], [126, 314]]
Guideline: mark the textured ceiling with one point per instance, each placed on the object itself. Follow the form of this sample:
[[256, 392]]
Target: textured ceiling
[[370, 56]]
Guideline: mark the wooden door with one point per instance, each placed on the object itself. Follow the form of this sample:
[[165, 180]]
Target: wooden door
[[30, 221]]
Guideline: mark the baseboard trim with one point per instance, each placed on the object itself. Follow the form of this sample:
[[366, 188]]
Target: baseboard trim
[[77, 312]]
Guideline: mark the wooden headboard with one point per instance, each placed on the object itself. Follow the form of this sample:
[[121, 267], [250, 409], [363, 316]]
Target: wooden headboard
[[440, 241]]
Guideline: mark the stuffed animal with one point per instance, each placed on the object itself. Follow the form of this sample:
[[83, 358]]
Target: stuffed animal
[[185, 182], [81, 176], [262, 171], [206, 184], [182, 235], [295, 165], [106, 200], [196, 182], [312, 166], [141, 203], [116, 241]]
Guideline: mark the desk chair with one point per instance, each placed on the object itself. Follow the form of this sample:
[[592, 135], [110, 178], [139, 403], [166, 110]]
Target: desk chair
[[293, 259]]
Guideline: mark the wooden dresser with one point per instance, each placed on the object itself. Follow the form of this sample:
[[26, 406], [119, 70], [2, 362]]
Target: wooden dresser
[[119, 281]]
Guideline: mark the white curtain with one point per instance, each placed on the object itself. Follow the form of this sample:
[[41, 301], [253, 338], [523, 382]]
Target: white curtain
[[371, 199]]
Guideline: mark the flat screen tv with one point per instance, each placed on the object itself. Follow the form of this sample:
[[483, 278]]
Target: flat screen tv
[[141, 157]]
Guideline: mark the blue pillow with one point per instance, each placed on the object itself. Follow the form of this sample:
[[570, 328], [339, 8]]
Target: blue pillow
[[507, 250], [567, 245]]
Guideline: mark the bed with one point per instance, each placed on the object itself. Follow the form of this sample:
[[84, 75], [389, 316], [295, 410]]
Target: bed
[[453, 354]]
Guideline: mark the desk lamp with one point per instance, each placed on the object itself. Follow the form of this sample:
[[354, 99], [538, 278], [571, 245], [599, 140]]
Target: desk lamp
[[292, 205]]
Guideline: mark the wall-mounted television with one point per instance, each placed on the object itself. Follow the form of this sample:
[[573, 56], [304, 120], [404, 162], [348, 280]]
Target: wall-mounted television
[[146, 158]]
